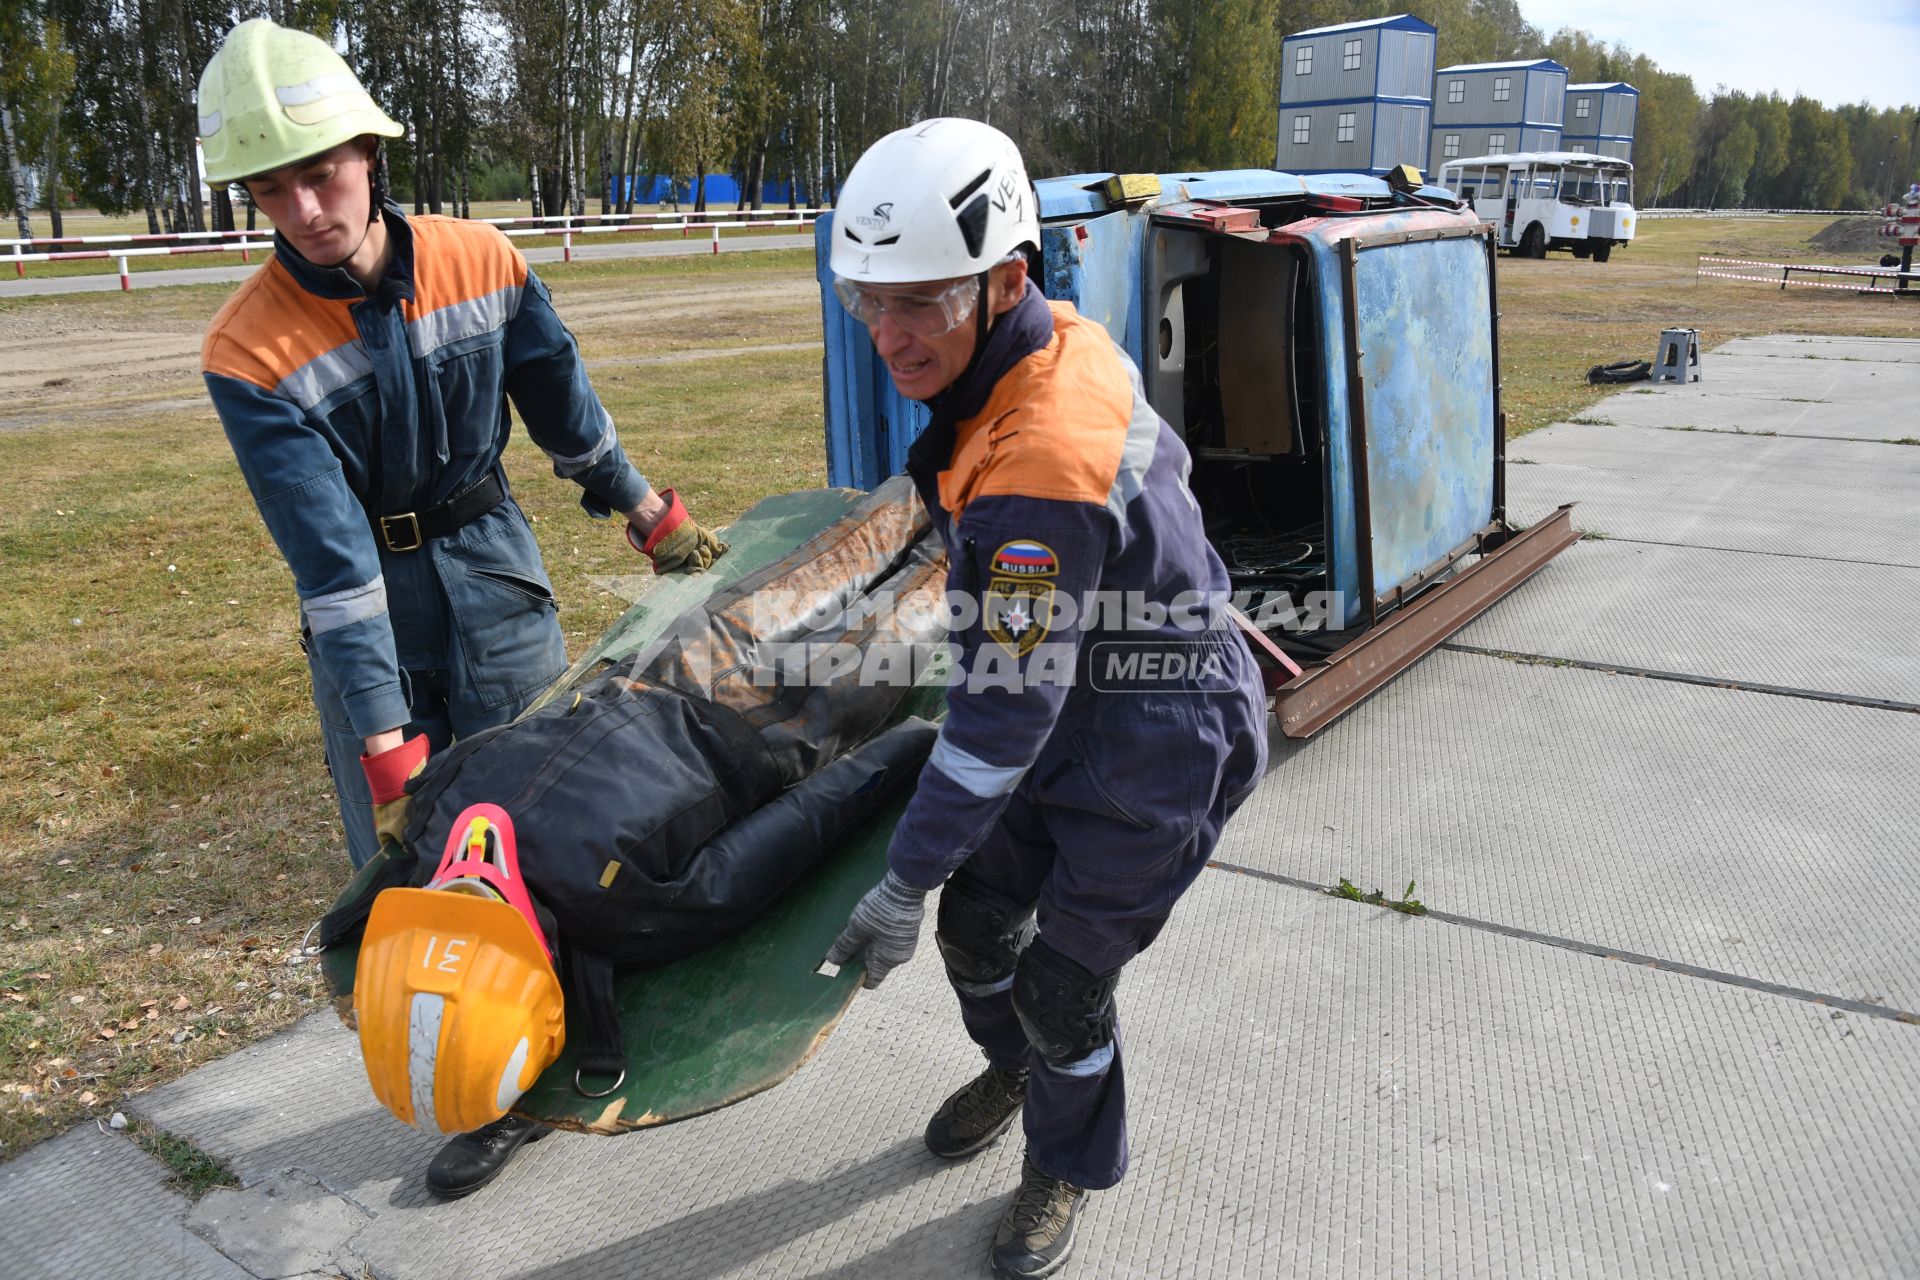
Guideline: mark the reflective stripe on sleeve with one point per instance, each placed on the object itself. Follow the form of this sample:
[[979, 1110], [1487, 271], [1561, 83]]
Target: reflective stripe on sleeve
[[322, 614], [984, 780], [567, 468], [1136, 456]]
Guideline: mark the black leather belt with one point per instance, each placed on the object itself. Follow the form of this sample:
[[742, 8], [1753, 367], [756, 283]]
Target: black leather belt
[[409, 530]]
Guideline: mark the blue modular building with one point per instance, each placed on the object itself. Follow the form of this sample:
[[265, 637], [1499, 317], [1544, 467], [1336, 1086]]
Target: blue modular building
[[1497, 108], [1601, 118], [1356, 98]]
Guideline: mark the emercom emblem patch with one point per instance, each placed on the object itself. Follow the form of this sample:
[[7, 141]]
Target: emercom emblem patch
[[1019, 598]]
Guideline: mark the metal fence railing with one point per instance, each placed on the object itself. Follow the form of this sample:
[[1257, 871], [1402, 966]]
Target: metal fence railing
[[1757, 213], [36, 249]]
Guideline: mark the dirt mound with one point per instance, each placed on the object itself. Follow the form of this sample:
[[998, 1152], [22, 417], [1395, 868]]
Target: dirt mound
[[1855, 237]]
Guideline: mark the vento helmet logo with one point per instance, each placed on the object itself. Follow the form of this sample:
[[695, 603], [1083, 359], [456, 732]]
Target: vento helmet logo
[[878, 219]]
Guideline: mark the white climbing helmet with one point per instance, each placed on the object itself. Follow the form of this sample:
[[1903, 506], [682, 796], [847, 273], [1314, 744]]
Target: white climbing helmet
[[938, 200]]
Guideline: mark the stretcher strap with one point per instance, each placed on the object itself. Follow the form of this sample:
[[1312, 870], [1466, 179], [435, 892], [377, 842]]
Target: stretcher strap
[[596, 1031]]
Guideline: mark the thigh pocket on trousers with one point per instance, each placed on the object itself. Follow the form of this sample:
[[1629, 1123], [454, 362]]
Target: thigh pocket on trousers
[[509, 637], [1129, 762]]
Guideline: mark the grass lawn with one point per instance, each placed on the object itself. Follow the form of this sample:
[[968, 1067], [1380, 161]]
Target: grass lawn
[[166, 827]]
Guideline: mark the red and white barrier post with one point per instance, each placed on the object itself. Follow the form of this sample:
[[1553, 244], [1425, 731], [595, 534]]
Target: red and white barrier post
[[716, 237], [126, 280]]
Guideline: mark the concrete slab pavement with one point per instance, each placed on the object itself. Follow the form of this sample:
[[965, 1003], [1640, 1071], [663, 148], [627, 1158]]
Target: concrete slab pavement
[[1802, 414], [1320, 1090], [1653, 1027], [1737, 832], [91, 1203], [1795, 346], [1819, 626], [1822, 499]]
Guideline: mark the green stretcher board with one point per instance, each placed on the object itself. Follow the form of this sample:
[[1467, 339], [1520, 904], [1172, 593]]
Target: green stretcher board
[[738, 1018]]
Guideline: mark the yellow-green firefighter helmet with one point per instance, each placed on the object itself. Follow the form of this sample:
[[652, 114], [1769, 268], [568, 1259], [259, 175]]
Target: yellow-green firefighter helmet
[[272, 96]]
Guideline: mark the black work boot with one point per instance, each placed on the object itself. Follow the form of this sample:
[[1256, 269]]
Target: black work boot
[[978, 1113], [1036, 1233], [472, 1160]]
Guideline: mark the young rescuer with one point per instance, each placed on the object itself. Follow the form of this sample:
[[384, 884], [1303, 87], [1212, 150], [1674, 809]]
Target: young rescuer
[[1069, 801], [362, 376]]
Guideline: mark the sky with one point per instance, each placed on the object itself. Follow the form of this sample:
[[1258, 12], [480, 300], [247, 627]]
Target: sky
[[1837, 51]]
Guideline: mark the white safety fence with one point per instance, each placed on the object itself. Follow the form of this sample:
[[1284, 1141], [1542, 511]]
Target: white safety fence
[[567, 227], [1757, 213], [247, 243], [1782, 273]]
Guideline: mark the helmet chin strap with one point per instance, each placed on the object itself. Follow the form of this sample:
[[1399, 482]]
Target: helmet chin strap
[[980, 327], [377, 181]]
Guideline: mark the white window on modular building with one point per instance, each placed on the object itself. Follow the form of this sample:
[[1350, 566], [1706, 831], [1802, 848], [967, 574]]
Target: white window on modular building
[[1496, 144], [1579, 148], [1456, 91], [1302, 129], [1502, 88], [1450, 145], [1580, 107], [1303, 60], [1343, 127], [1350, 56]]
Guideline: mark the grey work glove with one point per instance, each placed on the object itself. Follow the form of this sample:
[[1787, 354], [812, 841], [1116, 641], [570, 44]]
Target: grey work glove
[[886, 925]]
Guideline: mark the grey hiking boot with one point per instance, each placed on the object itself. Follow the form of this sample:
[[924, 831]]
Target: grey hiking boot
[[1036, 1233], [977, 1114]]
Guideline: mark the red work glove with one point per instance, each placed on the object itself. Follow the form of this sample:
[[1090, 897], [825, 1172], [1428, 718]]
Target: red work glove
[[677, 542], [387, 775]]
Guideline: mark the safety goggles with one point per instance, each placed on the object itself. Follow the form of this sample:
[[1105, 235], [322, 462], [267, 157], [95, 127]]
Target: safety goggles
[[927, 311]]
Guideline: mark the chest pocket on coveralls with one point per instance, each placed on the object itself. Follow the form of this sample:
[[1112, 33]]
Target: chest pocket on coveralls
[[469, 396]]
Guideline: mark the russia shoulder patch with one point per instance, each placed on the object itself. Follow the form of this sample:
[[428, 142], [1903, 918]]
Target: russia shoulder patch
[[1025, 560], [1018, 606]]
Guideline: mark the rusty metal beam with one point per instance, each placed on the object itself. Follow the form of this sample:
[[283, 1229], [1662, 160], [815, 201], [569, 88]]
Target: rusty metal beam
[[1308, 704]]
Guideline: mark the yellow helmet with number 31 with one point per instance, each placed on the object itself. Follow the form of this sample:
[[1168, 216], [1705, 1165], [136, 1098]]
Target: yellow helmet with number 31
[[455, 995]]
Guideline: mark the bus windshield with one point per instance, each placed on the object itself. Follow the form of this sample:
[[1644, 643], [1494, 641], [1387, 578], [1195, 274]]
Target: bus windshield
[[1583, 186]]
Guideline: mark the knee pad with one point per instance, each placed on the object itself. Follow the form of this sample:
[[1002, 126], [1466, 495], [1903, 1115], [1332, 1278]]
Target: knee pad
[[981, 933], [1066, 1012]]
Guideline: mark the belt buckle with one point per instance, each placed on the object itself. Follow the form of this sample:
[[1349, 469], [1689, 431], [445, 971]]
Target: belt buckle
[[412, 519]]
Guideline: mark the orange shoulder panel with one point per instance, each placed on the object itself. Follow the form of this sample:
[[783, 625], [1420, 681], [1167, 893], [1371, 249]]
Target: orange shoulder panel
[[1054, 426], [271, 327], [455, 260]]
